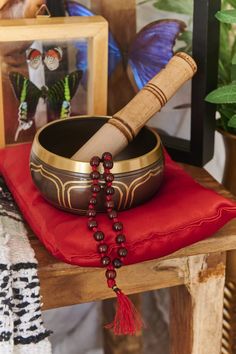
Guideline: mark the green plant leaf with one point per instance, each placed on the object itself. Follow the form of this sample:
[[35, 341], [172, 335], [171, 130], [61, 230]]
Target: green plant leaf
[[233, 61], [177, 6], [228, 110], [232, 122], [225, 54], [224, 94], [233, 46], [233, 74], [226, 16], [232, 3], [223, 75], [187, 38], [186, 48]]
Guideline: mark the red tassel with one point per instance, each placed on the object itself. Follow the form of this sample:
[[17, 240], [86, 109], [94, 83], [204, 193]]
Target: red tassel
[[127, 319]]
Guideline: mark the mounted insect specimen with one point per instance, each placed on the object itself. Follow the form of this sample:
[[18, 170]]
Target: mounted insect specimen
[[58, 97], [39, 80]]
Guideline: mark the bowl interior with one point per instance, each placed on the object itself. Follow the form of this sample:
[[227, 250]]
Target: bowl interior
[[65, 137]]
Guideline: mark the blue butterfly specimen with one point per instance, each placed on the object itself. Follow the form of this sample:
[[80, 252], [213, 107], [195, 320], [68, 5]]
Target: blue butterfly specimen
[[58, 97], [149, 52]]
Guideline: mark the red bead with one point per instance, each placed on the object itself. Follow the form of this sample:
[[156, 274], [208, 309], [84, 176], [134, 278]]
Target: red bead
[[108, 177], [95, 161], [108, 197], [99, 236], [111, 274], [102, 248], [95, 175], [91, 213], [91, 206], [92, 223], [95, 188], [117, 263], [112, 214], [105, 261], [109, 190], [93, 201], [120, 238], [117, 226], [108, 164], [106, 156], [109, 204], [122, 252]]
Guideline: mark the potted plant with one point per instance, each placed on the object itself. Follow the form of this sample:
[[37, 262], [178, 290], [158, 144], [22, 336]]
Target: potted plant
[[225, 95], [225, 98]]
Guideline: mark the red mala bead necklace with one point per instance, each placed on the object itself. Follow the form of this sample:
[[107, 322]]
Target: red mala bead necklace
[[127, 320]]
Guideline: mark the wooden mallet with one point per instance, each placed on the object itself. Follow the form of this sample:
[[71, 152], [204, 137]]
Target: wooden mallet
[[125, 124]]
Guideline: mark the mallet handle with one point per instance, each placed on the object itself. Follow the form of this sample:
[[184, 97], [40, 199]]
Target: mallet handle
[[125, 124]]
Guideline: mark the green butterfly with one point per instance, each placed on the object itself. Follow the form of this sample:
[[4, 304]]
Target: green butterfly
[[58, 97]]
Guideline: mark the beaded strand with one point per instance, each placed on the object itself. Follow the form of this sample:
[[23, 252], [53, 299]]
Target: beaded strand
[[117, 226], [127, 320]]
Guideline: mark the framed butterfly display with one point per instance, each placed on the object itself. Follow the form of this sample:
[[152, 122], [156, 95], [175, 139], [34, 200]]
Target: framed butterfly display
[[39, 80], [143, 35]]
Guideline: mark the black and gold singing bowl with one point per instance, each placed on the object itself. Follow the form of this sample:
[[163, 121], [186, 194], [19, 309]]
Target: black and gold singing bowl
[[65, 183]]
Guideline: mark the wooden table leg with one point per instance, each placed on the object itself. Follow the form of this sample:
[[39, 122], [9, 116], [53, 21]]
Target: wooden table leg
[[120, 344], [197, 306]]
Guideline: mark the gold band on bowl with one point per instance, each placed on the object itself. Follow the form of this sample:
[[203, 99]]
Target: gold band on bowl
[[123, 166]]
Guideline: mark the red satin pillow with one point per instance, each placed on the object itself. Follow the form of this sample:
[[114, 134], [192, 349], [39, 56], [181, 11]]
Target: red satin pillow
[[181, 213]]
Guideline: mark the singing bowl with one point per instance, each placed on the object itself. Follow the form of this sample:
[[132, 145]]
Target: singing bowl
[[65, 183]]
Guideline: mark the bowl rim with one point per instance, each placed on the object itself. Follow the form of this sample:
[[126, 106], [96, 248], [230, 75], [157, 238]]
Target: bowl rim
[[64, 163]]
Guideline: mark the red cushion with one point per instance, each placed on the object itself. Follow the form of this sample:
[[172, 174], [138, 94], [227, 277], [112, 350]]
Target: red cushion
[[181, 213]]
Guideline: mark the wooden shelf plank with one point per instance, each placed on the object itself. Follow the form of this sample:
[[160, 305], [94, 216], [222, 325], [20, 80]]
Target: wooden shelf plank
[[72, 284]]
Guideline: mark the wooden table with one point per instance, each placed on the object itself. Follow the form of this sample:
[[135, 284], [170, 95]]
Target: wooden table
[[196, 275]]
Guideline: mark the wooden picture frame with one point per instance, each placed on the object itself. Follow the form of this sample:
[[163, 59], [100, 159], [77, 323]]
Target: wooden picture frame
[[93, 29]]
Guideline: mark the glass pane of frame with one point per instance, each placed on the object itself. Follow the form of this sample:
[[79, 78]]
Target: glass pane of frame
[[54, 73], [174, 120], [187, 123], [42, 82]]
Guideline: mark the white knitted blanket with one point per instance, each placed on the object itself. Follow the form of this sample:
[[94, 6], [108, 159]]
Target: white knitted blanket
[[21, 325]]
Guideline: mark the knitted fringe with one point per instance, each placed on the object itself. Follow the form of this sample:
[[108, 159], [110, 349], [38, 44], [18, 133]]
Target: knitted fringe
[[6, 316], [21, 325]]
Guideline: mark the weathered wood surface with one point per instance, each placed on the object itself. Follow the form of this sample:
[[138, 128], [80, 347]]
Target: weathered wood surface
[[72, 284], [229, 318], [77, 285], [196, 308]]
